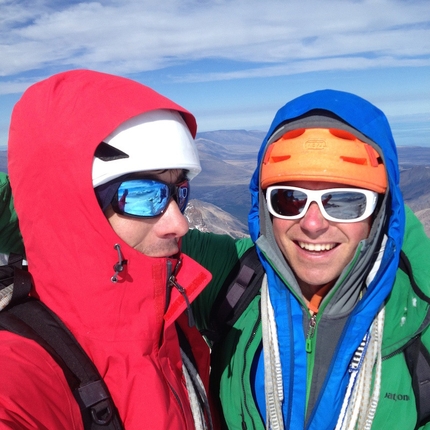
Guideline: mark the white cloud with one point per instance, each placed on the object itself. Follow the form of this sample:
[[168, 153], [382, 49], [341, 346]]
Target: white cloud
[[324, 64], [256, 39], [276, 37]]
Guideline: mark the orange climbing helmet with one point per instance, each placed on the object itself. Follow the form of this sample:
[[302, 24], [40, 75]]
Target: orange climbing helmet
[[321, 154]]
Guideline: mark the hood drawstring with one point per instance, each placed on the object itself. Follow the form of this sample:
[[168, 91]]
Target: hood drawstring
[[118, 267], [172, 282]]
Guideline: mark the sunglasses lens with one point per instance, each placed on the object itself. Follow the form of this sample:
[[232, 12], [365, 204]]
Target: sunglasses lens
[[148, 197], [142, 197], [181, 197], [344, 205], [288, 202]]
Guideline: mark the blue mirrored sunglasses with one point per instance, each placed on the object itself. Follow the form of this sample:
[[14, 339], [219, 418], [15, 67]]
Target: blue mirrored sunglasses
[[148, 198]]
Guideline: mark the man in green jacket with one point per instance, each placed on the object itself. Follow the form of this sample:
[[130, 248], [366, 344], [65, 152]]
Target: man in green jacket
[[322, 345]]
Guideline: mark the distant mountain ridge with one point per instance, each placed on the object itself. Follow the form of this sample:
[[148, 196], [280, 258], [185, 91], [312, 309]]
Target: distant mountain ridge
[[235, 139], [413, 155], [414, 183], [220, 196]]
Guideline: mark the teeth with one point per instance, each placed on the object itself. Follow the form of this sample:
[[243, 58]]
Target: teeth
[[316, 246]]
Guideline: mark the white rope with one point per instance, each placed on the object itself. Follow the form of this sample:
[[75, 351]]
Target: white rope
[[196, 410], [354, 367], [5, 296], [377, 344], [360, 403], [274, 390]]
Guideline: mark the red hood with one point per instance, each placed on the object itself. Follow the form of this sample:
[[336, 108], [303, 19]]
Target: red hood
[[55, 129]]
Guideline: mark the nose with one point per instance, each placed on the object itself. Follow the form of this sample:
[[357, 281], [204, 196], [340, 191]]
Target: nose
[[314, 221], [173, 223]]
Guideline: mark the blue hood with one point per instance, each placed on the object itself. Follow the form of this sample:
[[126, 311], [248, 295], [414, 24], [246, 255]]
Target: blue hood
[[364, 117]]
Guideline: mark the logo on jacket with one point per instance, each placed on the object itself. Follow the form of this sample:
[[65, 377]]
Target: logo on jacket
[[395, 396]]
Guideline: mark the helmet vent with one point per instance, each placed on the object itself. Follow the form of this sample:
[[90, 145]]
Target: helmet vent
[[354, 160], [106, 152]]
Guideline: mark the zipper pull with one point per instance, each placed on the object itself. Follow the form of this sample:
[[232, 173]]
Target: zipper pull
[[171, 275], [118, 267], [174, 283], [311, 332]]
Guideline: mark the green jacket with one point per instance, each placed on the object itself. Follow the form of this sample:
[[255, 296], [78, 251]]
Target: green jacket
[[407, 315], [10, 236]]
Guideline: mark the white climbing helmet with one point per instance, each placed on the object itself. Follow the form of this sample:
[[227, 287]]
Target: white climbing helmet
[[153, 140]]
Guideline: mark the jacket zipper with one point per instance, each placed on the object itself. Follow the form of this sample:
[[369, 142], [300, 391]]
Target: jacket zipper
[[311, 332], [172, 282], [310, 353], [168, 285], [171, 275], [191, 321]]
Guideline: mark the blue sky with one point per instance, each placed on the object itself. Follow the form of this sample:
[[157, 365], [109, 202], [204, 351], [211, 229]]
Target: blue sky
[[233, 63]]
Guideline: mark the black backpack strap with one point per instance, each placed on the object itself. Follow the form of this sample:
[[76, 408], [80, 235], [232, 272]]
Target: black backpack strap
[[418, 361], [237, 293], [405, 265], [33, 320], [417, 355], [15, 260], [7, 271], [15, 281], [21, 285]]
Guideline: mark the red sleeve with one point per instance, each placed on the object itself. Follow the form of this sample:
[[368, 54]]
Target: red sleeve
[[33, 390]]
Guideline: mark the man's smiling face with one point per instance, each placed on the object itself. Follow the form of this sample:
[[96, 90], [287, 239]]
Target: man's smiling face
[[317, 249]]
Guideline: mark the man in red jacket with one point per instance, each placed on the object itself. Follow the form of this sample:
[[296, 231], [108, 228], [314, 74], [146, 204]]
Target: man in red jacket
[[100, 168]]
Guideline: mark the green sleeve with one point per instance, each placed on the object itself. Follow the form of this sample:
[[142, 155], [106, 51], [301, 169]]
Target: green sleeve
[[10, 236], [220, 255], [416, 246]]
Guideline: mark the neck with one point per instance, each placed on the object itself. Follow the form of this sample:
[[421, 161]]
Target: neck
[[313, 294]]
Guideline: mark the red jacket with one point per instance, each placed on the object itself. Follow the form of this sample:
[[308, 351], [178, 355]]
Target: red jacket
[[127, 328]]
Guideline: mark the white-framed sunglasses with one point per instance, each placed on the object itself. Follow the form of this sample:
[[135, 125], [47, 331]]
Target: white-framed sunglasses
[[336, 204]]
